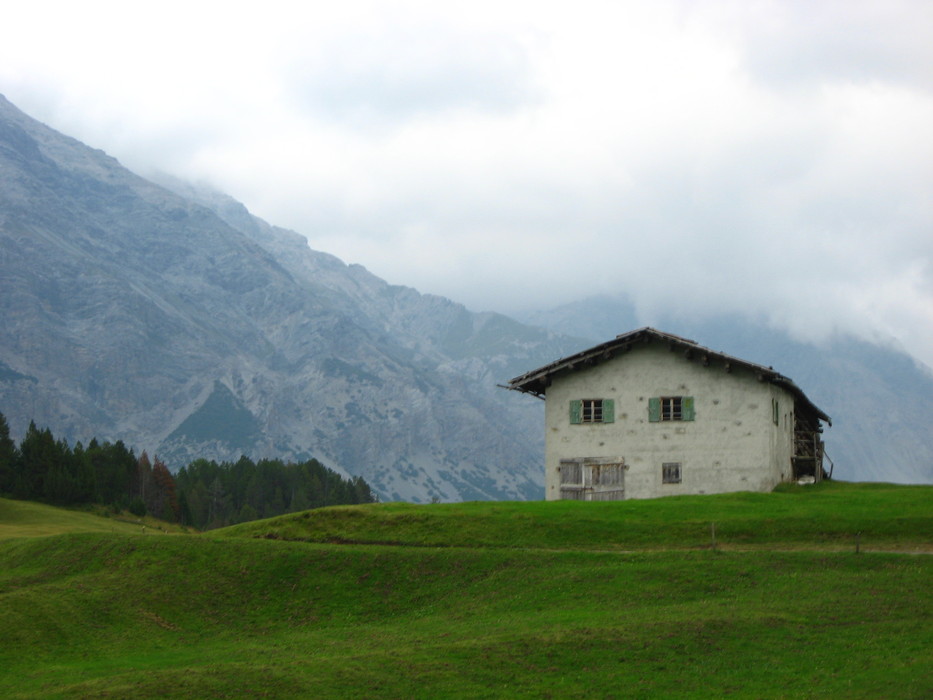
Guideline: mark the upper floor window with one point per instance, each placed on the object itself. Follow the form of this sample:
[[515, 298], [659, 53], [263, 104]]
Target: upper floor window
[[670, 408], [592, 411]]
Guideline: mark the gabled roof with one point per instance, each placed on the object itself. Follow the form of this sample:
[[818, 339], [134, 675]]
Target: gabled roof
[[536, 381]]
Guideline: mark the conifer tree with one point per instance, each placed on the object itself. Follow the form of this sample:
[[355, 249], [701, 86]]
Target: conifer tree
[[38, 456], [8, 457], [143, 479], [164, 497], [114, 468]]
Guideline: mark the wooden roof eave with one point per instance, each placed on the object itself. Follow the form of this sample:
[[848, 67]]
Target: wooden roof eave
[[537, 381], [788, 384], [604, 351]]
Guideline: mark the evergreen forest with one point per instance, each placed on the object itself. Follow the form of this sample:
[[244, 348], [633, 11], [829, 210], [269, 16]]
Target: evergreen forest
[[204, 494]]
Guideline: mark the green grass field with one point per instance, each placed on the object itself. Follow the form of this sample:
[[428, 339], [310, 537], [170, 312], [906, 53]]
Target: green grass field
[[488, 600], [831, 515], [25, 519]]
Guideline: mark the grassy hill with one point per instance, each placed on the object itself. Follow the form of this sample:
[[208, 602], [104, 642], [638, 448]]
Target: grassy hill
[[830, 515], [27, 519], [497, 600]]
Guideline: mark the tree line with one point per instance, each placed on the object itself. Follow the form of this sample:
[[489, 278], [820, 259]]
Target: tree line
[[204, 494]]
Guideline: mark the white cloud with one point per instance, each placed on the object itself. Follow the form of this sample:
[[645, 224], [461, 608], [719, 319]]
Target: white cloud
[[772, 158]]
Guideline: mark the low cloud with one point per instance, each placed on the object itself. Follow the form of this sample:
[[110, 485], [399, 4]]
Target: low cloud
[[771, 159], [370, 79]]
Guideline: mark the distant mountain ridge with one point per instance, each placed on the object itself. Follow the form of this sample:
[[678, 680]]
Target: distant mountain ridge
[[167, 316]]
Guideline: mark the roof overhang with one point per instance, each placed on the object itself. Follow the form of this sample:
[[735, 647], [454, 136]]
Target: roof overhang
[[538, 380]]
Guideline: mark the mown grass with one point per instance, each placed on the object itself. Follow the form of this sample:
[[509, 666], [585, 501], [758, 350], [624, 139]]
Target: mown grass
[[827, 515], [27, 519], [115, 615]]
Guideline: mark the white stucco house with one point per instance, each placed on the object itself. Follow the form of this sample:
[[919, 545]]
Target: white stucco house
[[651, 414]]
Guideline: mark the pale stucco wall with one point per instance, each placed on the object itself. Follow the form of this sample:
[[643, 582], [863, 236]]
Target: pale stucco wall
[[732, 445]]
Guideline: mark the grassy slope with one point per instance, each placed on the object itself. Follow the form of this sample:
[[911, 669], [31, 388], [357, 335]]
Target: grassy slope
[[106, 614], [27, 519], [828, 515]]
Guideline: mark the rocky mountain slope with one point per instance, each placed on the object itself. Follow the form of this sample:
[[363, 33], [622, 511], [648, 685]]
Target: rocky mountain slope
[[193, 329], [169, 317]]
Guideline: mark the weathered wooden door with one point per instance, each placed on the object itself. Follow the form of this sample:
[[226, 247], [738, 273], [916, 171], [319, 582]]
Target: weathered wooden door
[[592, 479]]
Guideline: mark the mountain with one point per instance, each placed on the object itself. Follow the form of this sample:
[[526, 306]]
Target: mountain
[[880, 399], [187, 327], [167, 316]]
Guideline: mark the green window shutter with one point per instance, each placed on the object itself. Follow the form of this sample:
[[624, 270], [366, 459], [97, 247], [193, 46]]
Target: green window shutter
[[576, 411], [654, 409], [686, 408], [609, 411]]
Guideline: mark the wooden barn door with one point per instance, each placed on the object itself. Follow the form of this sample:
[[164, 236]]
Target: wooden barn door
[[592, 479]]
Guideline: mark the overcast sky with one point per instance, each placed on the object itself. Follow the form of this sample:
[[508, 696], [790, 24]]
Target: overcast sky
[[769, 158]]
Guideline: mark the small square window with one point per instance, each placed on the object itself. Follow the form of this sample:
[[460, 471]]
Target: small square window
[[670, 473], [592, 410], [672, 408]]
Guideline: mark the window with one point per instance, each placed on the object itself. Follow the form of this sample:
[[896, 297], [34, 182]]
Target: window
[[670, 473], [670, 408], [592, 411], [775, 411]]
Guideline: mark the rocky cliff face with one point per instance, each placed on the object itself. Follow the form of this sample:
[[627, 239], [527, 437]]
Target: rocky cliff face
[[185, 326]]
